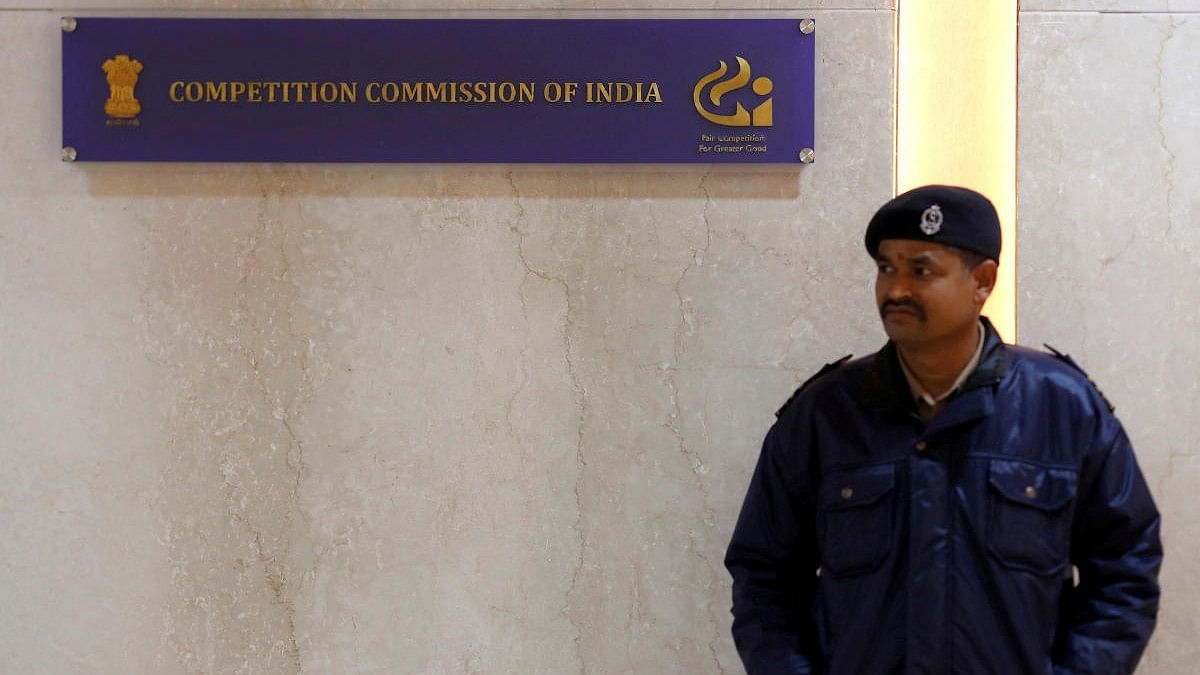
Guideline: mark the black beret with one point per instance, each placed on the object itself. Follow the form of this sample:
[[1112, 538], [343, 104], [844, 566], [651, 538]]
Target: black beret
[[944, 214]]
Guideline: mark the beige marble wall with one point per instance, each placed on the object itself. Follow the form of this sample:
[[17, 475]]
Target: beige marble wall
[[1109, 194], [1111, 6], [405, 419]]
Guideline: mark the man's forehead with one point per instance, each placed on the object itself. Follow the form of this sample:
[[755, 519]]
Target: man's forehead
[[912, 248]]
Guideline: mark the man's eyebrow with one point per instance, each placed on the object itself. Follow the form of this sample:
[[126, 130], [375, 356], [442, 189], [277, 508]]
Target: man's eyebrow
[[923, 259]]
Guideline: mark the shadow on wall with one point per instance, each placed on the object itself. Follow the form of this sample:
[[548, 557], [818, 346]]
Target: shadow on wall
[[443, 180]]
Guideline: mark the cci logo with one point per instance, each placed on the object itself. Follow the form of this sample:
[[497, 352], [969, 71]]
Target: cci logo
[[122, 75], [760, 116]]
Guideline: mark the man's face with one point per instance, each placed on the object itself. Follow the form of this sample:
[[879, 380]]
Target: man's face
[[926, 293]]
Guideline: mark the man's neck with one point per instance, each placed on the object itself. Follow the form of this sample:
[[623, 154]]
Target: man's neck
[[937, 366]]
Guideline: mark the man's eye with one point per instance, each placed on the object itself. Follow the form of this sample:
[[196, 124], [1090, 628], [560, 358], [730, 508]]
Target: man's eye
[[921, 272], [885, 269]]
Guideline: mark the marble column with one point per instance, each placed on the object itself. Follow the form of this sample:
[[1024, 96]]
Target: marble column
[[1108, 244]]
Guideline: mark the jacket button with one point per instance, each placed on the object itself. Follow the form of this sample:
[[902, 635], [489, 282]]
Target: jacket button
[[1030, 492], [847, 493], [921, 445]]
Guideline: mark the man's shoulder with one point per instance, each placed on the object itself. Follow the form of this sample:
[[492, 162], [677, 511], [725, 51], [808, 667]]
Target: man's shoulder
[[832, 375], [1054, 369]]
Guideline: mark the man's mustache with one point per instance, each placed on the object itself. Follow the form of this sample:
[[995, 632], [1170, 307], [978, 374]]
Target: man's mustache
[[894, 304]]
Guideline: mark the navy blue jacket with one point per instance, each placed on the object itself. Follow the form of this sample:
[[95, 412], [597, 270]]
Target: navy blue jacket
[[870, 542]]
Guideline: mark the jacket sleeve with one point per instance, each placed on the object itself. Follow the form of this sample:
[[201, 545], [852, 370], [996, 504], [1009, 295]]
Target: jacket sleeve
[[773, 560], [1107, 617]]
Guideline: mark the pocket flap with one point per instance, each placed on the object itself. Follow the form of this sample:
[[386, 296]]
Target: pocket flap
[[1033, 485], [851, 489]]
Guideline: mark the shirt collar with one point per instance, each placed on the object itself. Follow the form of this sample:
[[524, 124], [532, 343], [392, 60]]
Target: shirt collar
[[919, 392]]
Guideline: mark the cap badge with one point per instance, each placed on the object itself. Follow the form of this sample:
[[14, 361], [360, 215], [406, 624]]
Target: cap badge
[[931, 220]]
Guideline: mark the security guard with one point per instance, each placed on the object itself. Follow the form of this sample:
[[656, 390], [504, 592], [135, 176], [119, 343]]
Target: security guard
[[951, 503]]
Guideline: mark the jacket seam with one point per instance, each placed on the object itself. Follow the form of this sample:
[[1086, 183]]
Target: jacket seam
[[1020, 458]]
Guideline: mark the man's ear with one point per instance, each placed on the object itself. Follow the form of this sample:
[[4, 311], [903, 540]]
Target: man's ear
[[984, 275]]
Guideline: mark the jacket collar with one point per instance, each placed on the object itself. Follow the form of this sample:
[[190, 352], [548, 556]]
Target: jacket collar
[[884, 389]]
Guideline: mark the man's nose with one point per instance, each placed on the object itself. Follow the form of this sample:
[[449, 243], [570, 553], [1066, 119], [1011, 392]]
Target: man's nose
[[899, 289]]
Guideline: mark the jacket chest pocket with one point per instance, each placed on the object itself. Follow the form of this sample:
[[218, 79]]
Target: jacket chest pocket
[[1029, 520], [857, 516]]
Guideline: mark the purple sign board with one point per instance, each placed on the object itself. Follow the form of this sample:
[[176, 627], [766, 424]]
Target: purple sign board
[[452, 90]]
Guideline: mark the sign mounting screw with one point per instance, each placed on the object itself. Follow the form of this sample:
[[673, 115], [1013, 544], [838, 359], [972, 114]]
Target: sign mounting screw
[[68, 154], [69, 24], [807, 26], [807, 156]]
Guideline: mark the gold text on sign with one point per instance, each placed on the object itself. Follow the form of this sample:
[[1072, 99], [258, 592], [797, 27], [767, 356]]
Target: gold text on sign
[[263, 92], [623, 92], [451, 92], [397, 92]]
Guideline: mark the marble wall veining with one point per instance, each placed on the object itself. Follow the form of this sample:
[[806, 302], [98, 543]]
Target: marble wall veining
[[405, 419], [1109, 200]]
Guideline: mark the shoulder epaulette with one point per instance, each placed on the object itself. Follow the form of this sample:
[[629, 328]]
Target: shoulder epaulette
[[825, 369], [1071, 362]]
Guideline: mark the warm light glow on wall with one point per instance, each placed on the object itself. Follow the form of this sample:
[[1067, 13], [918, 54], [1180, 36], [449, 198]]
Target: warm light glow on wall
[[957, 113]]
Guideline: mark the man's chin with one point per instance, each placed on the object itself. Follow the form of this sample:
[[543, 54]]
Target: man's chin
[[901, 330]]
